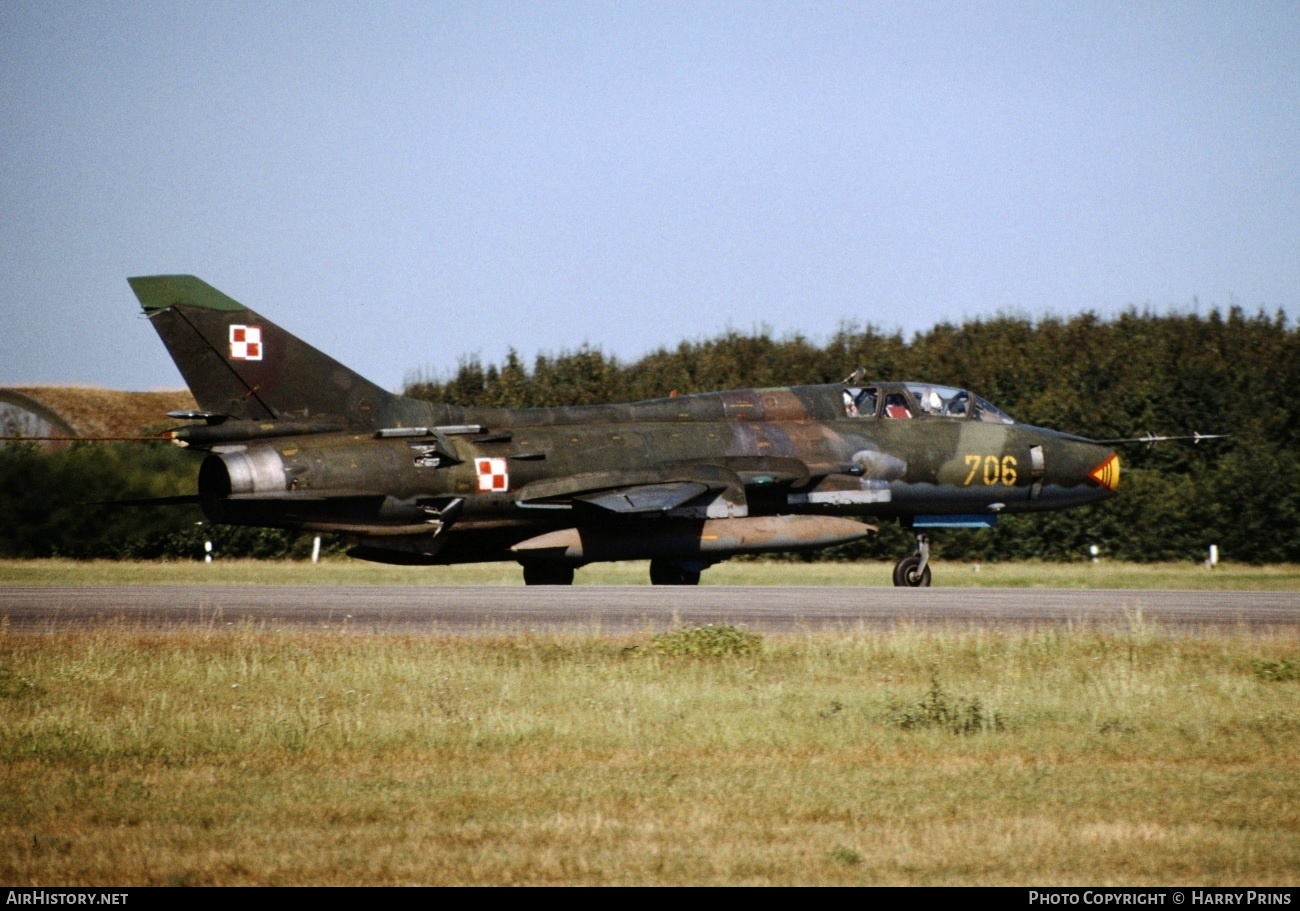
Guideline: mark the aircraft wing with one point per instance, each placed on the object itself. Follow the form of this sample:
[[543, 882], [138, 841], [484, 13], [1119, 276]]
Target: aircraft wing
[[663, 488], [630, 491], [645, 497]]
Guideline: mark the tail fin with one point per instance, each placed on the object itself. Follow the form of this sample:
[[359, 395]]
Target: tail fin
[[240, 364]]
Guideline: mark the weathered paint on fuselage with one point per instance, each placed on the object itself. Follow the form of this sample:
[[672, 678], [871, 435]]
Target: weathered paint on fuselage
[[938, 464], [952, 464], [297, 440]]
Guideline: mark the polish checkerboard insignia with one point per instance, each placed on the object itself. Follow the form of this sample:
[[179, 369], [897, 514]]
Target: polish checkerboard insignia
[[245, 343], [492, 475]]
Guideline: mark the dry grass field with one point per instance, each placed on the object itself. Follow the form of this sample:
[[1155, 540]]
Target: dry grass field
[[247, 756]]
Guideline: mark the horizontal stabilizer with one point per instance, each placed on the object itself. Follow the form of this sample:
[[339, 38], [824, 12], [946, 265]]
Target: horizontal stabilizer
[[182, 500]]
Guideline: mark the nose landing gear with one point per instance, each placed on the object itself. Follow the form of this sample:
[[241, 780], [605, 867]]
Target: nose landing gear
[[913, 571]]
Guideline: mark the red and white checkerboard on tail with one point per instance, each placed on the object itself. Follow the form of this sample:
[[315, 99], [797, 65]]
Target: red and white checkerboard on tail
[[492, 475], [245, 343]]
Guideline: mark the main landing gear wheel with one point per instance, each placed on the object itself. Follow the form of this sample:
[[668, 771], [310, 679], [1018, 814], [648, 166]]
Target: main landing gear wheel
[[913, 571], [548, 574], [663, 572]]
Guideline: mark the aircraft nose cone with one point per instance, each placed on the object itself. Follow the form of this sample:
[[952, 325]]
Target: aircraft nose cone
[[1078, 472], [1106, 474]]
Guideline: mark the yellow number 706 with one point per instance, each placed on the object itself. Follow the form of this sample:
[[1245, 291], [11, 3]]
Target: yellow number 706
[[995, 470]]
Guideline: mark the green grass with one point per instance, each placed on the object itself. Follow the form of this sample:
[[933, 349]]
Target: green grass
[[342, 571], [1126, 756]]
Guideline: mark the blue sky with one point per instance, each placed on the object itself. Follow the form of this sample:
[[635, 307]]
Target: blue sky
[[405, 185]]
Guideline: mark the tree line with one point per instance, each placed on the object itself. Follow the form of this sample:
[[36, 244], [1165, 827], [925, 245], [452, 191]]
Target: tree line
[[1172, 374]]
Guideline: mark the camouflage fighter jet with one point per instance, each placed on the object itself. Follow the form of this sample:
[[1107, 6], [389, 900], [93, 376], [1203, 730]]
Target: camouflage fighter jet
[[296, 440]]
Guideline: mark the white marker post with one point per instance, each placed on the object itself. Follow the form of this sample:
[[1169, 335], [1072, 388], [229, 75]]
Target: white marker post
[[207, 550], [315, 551]]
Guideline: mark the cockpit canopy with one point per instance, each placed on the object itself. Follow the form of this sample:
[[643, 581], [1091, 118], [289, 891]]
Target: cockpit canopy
[[906, 400]]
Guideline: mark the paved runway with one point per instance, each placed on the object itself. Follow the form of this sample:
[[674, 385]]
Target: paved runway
[[465, 610]]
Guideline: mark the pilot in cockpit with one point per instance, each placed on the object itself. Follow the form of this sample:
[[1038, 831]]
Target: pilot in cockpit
[[859, 402]]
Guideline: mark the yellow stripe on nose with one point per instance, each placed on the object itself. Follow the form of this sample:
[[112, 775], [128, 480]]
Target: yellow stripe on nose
[[1107, 473]]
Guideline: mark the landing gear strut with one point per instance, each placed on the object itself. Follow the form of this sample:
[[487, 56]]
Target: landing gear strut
[[913, 571], [548, 574], [664, 572]]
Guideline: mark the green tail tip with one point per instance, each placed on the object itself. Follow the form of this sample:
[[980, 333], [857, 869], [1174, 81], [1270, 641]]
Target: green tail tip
[[158, 292]]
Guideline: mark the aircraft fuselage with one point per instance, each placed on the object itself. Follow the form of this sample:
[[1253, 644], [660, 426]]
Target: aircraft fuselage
[[296, 440]]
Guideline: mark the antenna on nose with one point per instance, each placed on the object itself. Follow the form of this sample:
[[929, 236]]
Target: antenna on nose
[[1151, 439]]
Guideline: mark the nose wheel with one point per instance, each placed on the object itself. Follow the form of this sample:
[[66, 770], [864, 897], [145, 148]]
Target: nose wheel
[[913, 571]]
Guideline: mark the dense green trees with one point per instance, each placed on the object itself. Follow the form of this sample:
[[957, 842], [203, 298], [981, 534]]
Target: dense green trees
[[1169, 373], [47, 500], [1172, 374], [49, 506]]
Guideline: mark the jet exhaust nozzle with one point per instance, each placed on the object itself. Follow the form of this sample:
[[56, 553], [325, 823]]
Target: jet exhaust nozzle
[[258, 469]]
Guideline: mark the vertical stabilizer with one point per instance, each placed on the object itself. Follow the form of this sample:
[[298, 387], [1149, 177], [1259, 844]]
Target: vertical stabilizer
[[241, 364]]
